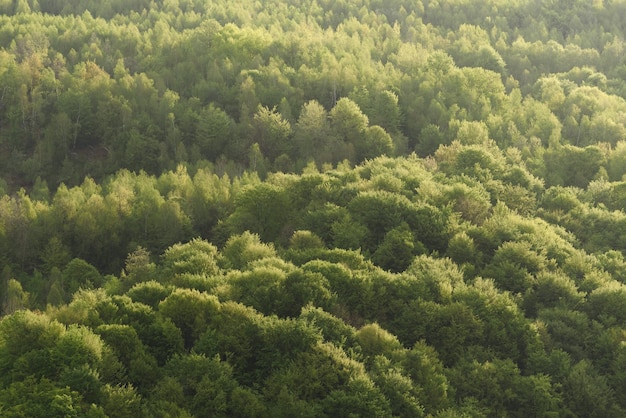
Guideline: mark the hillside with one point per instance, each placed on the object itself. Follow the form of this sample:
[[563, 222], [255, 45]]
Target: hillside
[[316, 208]]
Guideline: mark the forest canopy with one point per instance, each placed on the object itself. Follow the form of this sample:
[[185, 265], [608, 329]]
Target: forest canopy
[[281, 208]]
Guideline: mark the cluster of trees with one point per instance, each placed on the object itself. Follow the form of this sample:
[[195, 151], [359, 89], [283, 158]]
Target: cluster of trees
[[88, 89], [372, 208], [457, 285]]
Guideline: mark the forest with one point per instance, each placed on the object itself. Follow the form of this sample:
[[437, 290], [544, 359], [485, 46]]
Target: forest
[[350, 208]]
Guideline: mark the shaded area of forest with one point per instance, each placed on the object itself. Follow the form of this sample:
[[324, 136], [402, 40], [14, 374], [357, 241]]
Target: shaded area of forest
[[312, 209]]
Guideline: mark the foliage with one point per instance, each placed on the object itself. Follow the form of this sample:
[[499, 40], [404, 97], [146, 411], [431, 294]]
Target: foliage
[[346, 208]]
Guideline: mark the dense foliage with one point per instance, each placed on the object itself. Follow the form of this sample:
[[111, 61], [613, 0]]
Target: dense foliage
[[89, 87], [349, 208]]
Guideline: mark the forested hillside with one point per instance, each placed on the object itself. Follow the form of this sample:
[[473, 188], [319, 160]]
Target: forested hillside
[[313, 208]]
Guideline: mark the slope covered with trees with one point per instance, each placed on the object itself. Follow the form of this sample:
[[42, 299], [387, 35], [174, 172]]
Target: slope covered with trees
[[351, 208], [89, 88]]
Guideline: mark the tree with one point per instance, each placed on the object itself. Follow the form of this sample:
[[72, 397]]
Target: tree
[[606, 302], [304, 239], [271, 132], [141, 367], [323, 375], [313, 136], [213, 132], [551, 290], [207, 385], [142, 152], [430, 385], [257, 161], [210, 200], [505, 330], [386, 112], [259, 287], [473, 49], [332, 328], [360, 396], [571, 331], [15, 298], [80, 274], [499, 387], [56, 295], [27, 348], [572, 166], [56, 357], [123, 339], [191, 311], [195, 257], [42, 398], [382, 211], [397, 249], [615, 163], [587, 393], [262, 209], [242, 249], [349, 123], [55, 146], [121, 401], [138, 268], [374, 341], [80, 355], [347, 233], [514, 266], [302, 289], [374, 143], [149, 293], [396, 387]]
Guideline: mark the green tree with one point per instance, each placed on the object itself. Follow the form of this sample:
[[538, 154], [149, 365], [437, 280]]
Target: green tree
[[138, 268], [257, 161], [149, 293], [27, 347], [332, 328], [242, 249], [208, 387], [396, 387], [374, 341], [191, 311], [313, 136], [349, 123], [501, 389], [259, 287], [304, 239], [397, 249], [213, 132], [42, 398], [141, 367], [262, 209], [615, 163], [271, 132], [195, 257], [122, 401], [374, 143], [514, 266], [572, 166], [56, 295], [79, 274], [587, 393], [302, 289], [15, 299]]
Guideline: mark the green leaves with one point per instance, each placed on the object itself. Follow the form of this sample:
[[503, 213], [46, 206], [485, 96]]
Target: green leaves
[[268, 255], [190, 311], [194, 257]]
